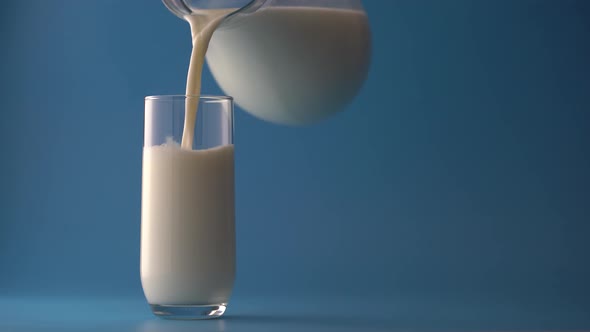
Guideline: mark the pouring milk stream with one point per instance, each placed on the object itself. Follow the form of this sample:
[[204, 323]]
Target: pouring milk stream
[[203, 24]]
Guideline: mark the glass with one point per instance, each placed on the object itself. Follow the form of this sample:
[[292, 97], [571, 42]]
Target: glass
[[183, 8], [187, 215], [272, 47]]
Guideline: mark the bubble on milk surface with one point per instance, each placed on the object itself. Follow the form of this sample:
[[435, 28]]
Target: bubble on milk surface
[[171, 143]]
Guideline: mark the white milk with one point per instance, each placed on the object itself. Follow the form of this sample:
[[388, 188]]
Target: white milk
[[292, 65], [203, 24], [187, 227]]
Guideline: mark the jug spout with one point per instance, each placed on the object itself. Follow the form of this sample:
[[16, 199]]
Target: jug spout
[[182, 8]]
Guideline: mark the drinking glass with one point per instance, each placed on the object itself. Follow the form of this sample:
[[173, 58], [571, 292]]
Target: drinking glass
[[187, 214]]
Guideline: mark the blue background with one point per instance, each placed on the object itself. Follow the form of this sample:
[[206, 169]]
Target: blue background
[[461, 170]]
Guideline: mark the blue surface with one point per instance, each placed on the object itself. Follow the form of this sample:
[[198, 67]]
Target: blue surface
[[462, 169], [293, 314]]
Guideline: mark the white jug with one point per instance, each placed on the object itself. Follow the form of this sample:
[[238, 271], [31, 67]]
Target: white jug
[[287, 61]]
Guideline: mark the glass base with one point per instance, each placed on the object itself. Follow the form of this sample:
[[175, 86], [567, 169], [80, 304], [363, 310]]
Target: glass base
[[207, 311]]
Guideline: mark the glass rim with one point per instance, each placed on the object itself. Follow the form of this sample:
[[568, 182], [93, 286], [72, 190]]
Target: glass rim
[[183, 97]]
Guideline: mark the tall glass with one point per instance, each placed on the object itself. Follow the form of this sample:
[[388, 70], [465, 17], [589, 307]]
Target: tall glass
[[187, 213]]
